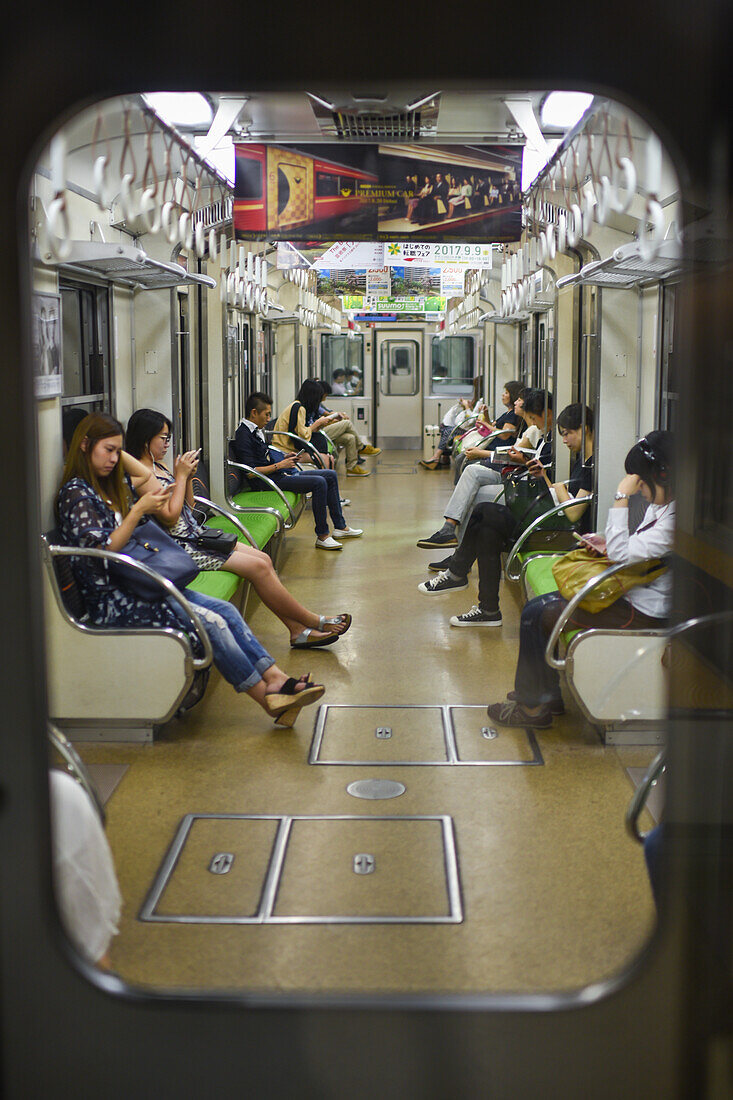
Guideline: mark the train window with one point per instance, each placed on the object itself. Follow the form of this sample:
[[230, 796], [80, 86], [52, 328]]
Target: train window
[[452, 365], [343, 357], [85, 346], [326, 186], [249, 178]]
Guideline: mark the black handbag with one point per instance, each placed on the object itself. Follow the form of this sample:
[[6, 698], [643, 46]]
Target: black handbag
[[210, 538], [152, 546]]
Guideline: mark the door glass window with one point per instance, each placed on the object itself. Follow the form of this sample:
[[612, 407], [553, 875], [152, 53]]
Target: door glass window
[[451, 366], [85, 346], [399, 372], [342, 363]]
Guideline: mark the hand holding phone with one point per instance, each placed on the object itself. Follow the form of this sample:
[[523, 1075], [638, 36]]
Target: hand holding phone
[[595, 543]]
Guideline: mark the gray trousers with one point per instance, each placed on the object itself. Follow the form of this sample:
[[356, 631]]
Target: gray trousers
[[476, 484]]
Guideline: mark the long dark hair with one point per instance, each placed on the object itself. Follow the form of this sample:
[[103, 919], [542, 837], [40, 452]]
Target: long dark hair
[[144, 425], [310, 396], [91, 430], [651, 460]]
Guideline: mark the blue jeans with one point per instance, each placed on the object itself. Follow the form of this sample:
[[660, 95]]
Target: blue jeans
[[237, 654], [324, 485]]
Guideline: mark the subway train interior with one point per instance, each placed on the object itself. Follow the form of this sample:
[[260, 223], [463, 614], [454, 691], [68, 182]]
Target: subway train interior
[[395, 883]]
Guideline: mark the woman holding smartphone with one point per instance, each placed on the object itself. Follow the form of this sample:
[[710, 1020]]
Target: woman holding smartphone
[[536, 698], [94, 508], [149, 434]]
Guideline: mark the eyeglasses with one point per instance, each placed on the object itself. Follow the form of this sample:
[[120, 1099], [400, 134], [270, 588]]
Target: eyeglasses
[[166, 438]]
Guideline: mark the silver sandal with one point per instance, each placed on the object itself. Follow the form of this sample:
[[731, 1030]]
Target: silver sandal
[[324, 622], [302, 642]]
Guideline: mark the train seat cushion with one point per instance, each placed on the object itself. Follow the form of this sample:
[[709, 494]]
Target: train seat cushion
[[261, 526], [248, 499], [217, 582], [538, 578]]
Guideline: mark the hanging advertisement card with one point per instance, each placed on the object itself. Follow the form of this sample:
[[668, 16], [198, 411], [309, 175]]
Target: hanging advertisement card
[[352, 254], [411, 252], [453, 280], [379, 282]]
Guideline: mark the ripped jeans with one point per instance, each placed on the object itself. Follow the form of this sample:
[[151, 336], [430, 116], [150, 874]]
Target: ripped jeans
[[237, 654]]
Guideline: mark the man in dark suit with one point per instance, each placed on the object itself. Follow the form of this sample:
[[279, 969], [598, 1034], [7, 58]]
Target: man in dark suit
[[250, 448]]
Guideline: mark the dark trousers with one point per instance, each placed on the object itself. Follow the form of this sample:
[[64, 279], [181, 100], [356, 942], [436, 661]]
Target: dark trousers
[[324, 486], [488, 532], [535, 682]]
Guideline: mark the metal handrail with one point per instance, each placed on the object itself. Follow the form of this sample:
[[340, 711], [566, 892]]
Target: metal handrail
[[641, 795], [76, 766], [227, 515], [268, 481], [533, 527], [484, 443], [169, 589], [571, 607], [304, 443]]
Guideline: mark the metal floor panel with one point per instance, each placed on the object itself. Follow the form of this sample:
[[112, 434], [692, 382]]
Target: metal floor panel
[[412, 735], [308, 869]]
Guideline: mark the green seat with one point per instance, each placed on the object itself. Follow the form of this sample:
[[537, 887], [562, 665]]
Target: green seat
[[261, 526], [538, 578], [216, 582], [266, 499], [538, 581]]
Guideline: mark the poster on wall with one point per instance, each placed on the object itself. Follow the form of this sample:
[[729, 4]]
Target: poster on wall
[[48, 378], [377, 193]]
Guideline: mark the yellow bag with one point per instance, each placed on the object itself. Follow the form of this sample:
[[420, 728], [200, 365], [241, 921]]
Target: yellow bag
[[575, 569]]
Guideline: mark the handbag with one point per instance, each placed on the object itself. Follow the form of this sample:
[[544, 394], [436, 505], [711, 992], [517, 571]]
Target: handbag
[[575, 569], [473, 437], [210, 538], [152, 546]]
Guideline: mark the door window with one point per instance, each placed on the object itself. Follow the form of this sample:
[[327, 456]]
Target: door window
[[399, 374]]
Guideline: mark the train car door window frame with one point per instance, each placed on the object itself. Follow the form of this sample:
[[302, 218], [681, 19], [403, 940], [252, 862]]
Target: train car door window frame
[[93, 309]]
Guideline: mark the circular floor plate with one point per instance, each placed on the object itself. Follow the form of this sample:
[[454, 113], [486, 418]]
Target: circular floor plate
[[376, 788]]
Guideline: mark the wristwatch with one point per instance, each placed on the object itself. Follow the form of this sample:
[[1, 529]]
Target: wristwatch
[[620, 496]]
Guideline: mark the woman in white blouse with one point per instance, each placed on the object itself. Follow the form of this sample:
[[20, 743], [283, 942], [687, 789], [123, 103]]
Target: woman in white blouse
[[536, 698]]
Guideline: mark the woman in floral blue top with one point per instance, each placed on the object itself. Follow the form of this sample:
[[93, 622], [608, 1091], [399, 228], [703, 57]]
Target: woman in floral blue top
[[94, 509]]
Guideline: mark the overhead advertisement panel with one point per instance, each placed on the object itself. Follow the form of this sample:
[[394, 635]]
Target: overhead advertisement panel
[[377, 193], [359, 303], [412, 252]]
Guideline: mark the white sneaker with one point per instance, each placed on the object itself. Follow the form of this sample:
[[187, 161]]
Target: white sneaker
[[344, 502], [348, 533], [328, 544]]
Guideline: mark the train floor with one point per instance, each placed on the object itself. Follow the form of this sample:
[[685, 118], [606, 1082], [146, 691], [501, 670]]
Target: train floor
[[497, 864]]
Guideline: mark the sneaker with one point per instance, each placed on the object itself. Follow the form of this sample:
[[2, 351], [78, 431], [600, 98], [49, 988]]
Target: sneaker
[[512, 713], [442, 583], [344, 502], [476, 617], [360, 461], [328, 544], [556, 706], [356, 471], [367, 449], [440, 566], [348, 533], [440, 538]]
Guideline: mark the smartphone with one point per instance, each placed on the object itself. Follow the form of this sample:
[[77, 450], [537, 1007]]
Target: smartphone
[[595, 543]]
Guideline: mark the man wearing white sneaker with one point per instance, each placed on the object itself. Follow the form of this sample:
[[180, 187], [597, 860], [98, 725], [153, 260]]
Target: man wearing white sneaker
[[251, 448]]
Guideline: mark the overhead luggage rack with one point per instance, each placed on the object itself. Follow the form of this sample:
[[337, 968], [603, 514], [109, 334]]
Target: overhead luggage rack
[[626, 267], [128, 265]]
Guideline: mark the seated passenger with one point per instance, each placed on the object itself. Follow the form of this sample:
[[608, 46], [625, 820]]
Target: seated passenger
[[464, 409], [491, 529], [251, 448], [475, 476], [148, 436], [301, 418], [415, 205], [343, 435], [461, 201], [536, 698], [94, 509], [85, 882], [338, 378]]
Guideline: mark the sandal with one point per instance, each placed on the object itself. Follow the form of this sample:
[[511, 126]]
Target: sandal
[[339, 621], [301, 642], [285, 704], [432, 465]]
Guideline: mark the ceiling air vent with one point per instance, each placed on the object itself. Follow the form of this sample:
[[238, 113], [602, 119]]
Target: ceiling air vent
[[402, 126], [377, 118]]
